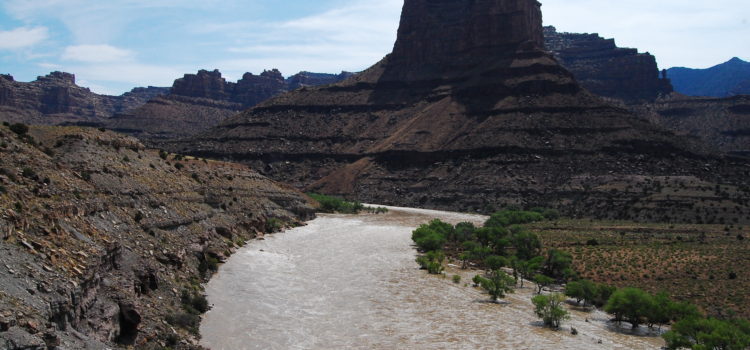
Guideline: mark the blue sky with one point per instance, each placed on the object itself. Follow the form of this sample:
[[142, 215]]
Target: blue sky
[[114, 45]]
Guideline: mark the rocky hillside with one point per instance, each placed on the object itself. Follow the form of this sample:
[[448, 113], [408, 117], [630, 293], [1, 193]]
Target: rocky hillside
[[56, 99], [723, 123], [723, 80], [475, 116], [605, 69], [104, 243]]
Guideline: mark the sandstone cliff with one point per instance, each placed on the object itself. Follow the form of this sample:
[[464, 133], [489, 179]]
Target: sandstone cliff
[[56, 99], [605, 69], [200, 101], [470, 113], [722, 123], [102, 240]]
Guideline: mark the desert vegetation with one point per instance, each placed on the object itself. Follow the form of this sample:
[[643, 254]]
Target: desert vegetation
[[537, 245], [331, 204]]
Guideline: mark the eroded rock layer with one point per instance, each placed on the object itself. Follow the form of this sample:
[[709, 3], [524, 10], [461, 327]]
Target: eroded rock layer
[[475, 116], [104, 243], [56, 99], [203, 100], [605, 69]]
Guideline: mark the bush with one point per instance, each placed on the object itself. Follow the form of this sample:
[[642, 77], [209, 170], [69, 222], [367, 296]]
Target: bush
[[179, 166], [549, 308], [630, 304], [163, 155], [19, 128], [456, 279], [28, 173], [427, 239], [495, 262], [432, 262], [330, 204], [512, 217], [497, 284], [184, 320], [709, 333], [2, 189]]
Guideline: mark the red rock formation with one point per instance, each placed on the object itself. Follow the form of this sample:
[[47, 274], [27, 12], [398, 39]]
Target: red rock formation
[[605, 69], [56, 99], [470, 114]]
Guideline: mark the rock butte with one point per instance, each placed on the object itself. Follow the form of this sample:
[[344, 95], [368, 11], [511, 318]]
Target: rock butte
[[470, 113]]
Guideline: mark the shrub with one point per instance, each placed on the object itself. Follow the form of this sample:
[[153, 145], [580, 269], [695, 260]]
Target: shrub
[[330, 204], [428, 239], [456, 279], [549, 308], [179, 166], [185, 321], [138, 216], [497, 284], [495, 262], [163, 155], [273, 225], [2, 189], [19, 128], [28, 173], [709, 333], [432, 262], [512, 217], [630, 304]]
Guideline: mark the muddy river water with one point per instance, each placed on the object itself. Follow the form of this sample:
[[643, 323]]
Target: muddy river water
[[350, 282]]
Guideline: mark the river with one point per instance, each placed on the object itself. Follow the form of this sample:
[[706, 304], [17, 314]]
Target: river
[[350, 282]]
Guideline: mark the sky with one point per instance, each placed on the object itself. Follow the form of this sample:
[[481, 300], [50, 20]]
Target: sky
[[115, 45]]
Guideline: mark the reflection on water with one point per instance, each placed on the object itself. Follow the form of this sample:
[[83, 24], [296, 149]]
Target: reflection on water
[[351, 282]]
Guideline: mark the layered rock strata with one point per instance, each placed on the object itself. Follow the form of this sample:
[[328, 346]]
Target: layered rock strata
[[470, 113], [104, 243], [605, 69], [56, 99]]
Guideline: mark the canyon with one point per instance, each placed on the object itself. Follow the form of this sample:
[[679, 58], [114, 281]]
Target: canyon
[[478, 116]]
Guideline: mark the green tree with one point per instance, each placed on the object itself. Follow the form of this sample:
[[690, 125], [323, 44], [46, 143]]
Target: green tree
[[541, 282], [550, 309], [558, 263], [630, 304], [583, 290], [432, 261], [527, 269], [506, 218], [709, 333], [464, 231], [428, 239], [19, 128], [495, 262], [527, 245], [497, 284]]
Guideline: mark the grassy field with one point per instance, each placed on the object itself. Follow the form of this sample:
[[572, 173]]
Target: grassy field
[[708, 265]]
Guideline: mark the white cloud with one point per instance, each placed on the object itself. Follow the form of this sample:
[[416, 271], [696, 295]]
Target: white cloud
[[22, 37], [351, 38], [97, 54]]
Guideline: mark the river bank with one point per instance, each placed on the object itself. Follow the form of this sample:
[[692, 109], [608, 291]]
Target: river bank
[[347, 281]]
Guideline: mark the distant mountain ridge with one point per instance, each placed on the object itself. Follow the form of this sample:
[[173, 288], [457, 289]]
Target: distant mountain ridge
[[723, 80]]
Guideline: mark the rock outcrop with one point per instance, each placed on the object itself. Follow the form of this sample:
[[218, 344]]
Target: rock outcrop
[[200, 101], [104, 243], [723, 80], [605, 69], [469, 112], [309, 79], [722, 123], [56, 99]]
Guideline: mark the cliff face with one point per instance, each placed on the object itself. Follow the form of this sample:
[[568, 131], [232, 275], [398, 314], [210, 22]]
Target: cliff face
[[200, 101], [56, 99], [101, 239], [723, 80], [473, 125], [722, 123], [605, 69]]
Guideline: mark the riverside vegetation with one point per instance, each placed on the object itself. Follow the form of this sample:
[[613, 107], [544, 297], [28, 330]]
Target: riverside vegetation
[[509, 251]]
